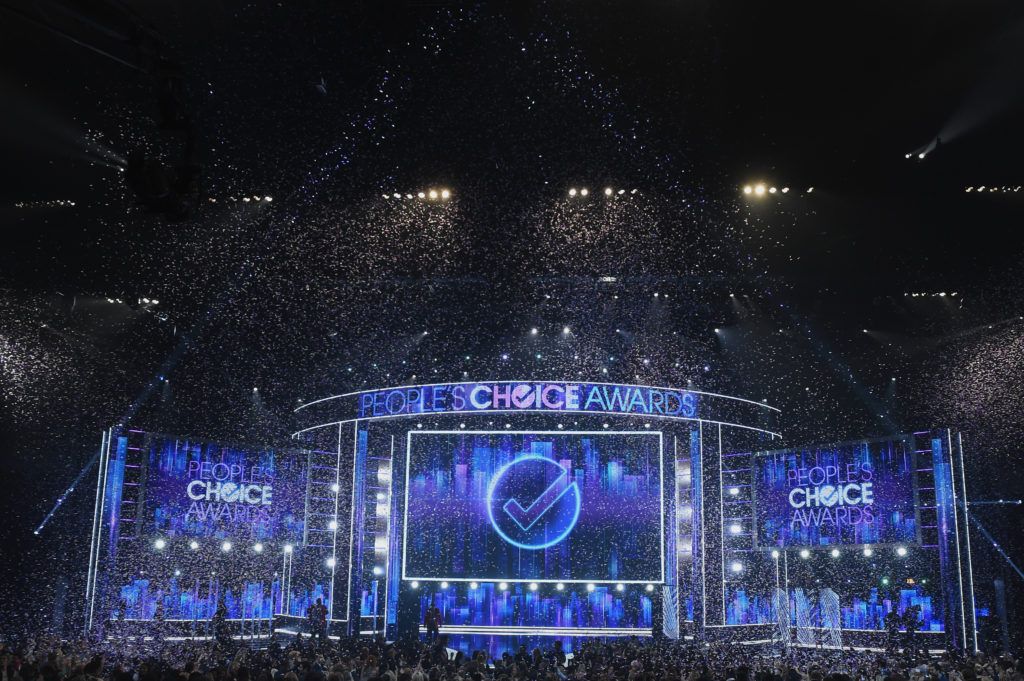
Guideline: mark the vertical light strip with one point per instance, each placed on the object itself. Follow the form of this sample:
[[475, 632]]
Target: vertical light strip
[[352, 514], [334, 532], [387, 546], [90, 575], [721, 514], [405, 509], [661, 480], [703, 540], [967, 535], [956, 533]]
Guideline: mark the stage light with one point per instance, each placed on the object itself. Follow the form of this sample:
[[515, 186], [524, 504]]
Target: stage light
[[747, 189], [408, 196], [559, 587], [607, 191], [433, 194], [733, 491], [901, 551], [333, 525], [257, 547], [445, 193], [885, 581], [503, 586], [335, 487], [735, 528], [737, 566], [907, 155], [621, 192], [565, 330], [921, 155], [193, 545], [868, 552], [620, 587], [649, 588], [533, 586], [533, 331], [397, 195], [177, 573], [225, 547], [378, 570], [245, 199], [414, 584], [775, 554], [331, 562], [288, 548], [772, 190], [473, 585], [805, 554], [834, 553], [268, 199], [810, 190], [572, 192], [421, 195], [717, 330], [584, 191], [969, 190], [159, 544], [759, 190], [590, 587], [380, 496], [785, 190]]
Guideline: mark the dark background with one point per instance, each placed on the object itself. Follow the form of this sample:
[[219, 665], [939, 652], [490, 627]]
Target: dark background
[[327, 106]]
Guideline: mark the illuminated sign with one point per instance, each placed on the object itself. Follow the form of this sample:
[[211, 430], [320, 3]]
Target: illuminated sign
[[532, 502], [231, 492], [525, 396], [836, 495]]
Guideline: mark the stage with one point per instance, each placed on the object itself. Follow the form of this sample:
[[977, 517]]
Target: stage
[[525, 511]]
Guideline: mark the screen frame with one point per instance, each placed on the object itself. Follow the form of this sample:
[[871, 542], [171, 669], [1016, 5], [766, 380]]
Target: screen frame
[[759, 545], [517, 580]]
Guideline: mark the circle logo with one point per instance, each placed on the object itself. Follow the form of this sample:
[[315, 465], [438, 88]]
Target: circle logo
[[532, 503]]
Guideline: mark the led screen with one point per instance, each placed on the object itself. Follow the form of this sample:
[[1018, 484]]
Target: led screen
[[203, 489], [853, 493], [544, 506]]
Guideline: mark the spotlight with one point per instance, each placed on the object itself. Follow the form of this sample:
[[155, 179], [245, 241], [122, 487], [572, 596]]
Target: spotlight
[[907, 155], [333, 525], [159, 544], [193, 545], [810, 190], [805, 554], [415, 584], [533, 331], [868, 552], [584, 191], [590, 587], [737, 566], [445, 193], [408, 196], [288, 548], [772, 190], [733, 491], [257, 547], [533, 586], [901, 551], [572, 192], [559, 586], [380, 496], [226, 546], [331, 562], [921, 155], [621, 192], [608, 191], [421, 195], [785, 190], [759, 190], [620, 587], [775, 554], [735, 528], [335, 487], [565, 330], [747, 189], [503, 586], [268, 199], [378, 570], [177, 573], [433, 194], [473, 585], [885, 581], [649, 588]]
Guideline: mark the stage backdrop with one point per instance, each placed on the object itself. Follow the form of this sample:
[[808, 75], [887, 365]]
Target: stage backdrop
[[853, 493], [547, 506]]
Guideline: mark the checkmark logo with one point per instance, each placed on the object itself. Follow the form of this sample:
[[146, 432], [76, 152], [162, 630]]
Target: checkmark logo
[[527, 517], [829, 495], [552, 502]]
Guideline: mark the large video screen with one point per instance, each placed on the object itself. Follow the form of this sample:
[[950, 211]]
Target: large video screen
[[544, 506], [852, 493], [204, 489]]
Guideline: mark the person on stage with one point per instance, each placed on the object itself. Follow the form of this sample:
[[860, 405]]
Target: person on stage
[[317, 615], [432, 621]]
